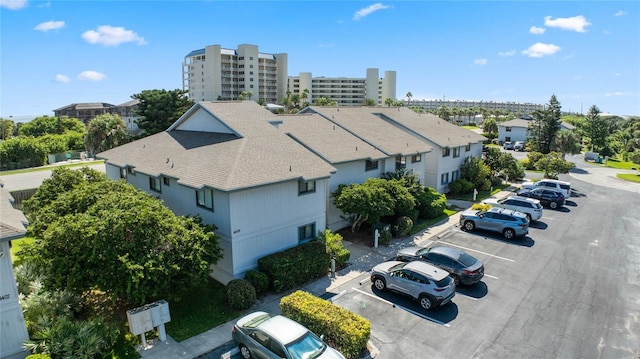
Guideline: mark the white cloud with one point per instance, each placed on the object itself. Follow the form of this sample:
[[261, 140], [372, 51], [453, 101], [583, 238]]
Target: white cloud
[[61, 78], [112, 36], [369, 10], [540, 50], [619, 93], [91, 76], [13, 4], [537, 30], [620, 13], [480, 62], [50, 25], [507, 53], [576, 23]]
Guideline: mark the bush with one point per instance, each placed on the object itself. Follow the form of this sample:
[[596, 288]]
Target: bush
[[431, 203], [335, 249], [385, 237], [635, 157], [38, 356], [403, 226], [460, 186], [481, 206], [259, 280], [295, 266], [345, 331], [241, 294]]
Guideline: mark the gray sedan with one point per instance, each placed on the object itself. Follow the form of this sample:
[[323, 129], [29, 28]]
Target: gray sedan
[[463, 267]]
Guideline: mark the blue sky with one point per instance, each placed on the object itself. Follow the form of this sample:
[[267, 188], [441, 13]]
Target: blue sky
[[54, 53]]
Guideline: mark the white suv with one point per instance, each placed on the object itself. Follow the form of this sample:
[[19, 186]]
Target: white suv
[[529, 206], [556, 185]]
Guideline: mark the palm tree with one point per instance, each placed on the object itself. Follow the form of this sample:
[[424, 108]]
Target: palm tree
[[304, 96], [369, 102], [409, 96], [388, 101]]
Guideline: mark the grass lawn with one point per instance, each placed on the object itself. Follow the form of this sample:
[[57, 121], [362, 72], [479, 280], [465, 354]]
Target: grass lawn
[[481, 194], [629, 177], [48, 168], [622, 165], [425, 223], [471, 127], [16, 246]]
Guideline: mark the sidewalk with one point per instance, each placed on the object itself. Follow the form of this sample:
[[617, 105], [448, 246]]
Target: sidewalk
[[363, 258]]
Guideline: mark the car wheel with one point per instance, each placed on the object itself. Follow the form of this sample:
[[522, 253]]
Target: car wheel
[[509, 233], [553, 205], [529, 217], [456, 279], [379, 283], [426, 302], [469, 225], [244, 351]]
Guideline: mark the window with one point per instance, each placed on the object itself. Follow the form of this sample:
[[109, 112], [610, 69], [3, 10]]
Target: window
[[371, 165], [467, 148], [306, 232], [456, 152], [444, 178], [508, 129], [446, 152], [455, 175], [204, 198], [154, 184], [401, 162], [123, 173], [166, 181], [306, 187], [416, 158]]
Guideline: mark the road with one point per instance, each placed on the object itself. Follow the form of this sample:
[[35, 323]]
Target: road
[[29, 180]]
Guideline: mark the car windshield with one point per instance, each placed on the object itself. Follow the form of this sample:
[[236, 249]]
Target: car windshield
[[309, 346], [467, 260], [423, 251]]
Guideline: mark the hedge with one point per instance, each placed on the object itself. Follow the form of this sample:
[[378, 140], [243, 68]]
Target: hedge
[[343, 330], [294, 266], [240, 294]]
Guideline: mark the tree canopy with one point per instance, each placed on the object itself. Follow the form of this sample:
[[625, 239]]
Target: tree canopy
[[105, 132], [159, 109], [43, 125], [94, 233]]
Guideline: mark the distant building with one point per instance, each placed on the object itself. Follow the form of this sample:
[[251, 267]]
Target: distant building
[[215, 73], [346, 91], [515, 107], [127, 112], [85, 112]]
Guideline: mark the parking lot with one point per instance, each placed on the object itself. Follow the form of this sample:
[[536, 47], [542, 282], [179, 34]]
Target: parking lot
[[568, 289]]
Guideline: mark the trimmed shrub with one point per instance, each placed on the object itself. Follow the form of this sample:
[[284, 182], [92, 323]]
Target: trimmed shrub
[[385, 237], [342, 255], [403, 226], [460, 185], [240, 294], [345, 331], [431, 203], [335, 248], [259, 280], [294, 266], [481, 206], [38, 356]]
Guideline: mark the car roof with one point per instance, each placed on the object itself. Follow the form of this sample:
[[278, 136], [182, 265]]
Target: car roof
[[525, 199], [276, 326], [555, 181], [510, 212], [427, 270], [454, 253]]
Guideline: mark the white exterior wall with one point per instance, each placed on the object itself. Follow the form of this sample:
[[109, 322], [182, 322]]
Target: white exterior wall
[[200, 121], [13, 331], [388, 87], [371, 87], [516, 134], [306, 82]]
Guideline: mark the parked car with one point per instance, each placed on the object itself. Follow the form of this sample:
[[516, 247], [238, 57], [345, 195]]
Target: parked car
[[560, 186], [529, 206], [506, 221], [429, 285], [507, 145], [463, 268], [263, 335], [547, 197], [518, 146]]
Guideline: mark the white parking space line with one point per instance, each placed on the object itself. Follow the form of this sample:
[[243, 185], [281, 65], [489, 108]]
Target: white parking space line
[[466, 296], [401, 307], [490, 276], [477, 251]]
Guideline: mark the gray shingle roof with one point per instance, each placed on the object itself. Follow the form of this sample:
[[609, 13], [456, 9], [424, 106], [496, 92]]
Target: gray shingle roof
[[328, 140], [371, 128], [13, 223], [521, 122], [256, 154]]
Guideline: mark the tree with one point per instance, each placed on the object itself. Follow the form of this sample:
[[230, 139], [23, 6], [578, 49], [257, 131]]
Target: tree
[[105, 132], [43, 125], [22, 152], [474, 170], [295, 100], [6, 128], [444, 112], [596, 129], [409, 96], [567, 142], [159, 109], [553, 164], [369, 102], [388, 101], [364, 202], [304, 96], [490, 126], [108, 235]]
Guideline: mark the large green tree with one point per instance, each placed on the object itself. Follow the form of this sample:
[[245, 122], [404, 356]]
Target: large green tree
[[545, 125], [105, 132], [567, 141], [159, 109], [94, 233], [6, 128], [596, 128], [43, 125], [367, 202]]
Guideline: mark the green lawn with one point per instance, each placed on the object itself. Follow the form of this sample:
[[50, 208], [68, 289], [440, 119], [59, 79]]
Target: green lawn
[[471, 127], [48, 168], [622, 165], [481, 194], [16, 246], [629, 177], [425, 223]]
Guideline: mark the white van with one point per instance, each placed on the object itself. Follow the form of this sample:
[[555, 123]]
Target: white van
[[560, 186]]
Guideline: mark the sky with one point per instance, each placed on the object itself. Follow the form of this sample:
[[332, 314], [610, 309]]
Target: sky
[[55, 53]]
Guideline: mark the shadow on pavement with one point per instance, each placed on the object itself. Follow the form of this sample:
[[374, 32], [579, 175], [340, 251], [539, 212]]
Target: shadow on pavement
[[538, 225], [525, 241], [478, 290], [443, 314]]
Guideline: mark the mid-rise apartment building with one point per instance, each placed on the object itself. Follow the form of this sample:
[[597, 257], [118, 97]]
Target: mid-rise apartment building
[[346, 91], [215, 73], [515, 107]]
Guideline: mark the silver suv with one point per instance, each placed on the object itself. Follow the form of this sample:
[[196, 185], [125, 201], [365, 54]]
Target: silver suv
[[429, 285], [506, 221], [556, 185], [529, 206]]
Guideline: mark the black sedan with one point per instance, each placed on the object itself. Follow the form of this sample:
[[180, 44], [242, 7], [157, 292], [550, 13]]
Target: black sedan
[[462, 267], [547, 197]]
